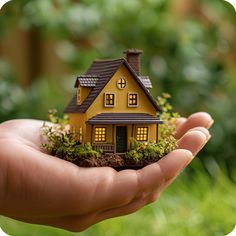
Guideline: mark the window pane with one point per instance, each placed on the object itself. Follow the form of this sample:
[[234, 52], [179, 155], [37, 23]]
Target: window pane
[[133, 99], [100, 134], [110, 99], [142, 134]]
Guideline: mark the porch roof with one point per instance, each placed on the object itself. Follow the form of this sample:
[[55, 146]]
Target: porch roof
[[124, 118]]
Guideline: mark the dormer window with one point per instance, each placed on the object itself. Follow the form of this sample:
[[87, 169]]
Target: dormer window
[[121, 83], [109, 100], [132, 99], [79, 95]]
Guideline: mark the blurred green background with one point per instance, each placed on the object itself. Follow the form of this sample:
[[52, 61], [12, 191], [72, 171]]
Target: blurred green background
[[189, 51]]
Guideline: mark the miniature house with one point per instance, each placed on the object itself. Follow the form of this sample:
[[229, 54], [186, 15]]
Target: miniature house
[[113, 103]]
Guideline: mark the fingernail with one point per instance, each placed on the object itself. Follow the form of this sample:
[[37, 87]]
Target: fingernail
[[188, 161], [210, 124]]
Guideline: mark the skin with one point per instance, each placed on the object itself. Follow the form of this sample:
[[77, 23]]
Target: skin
[[38, 188]]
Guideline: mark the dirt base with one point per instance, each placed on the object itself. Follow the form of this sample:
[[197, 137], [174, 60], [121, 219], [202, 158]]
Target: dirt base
[[118, 162]]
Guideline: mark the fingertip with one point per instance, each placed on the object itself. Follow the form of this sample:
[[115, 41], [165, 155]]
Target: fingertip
[[199, 119], [205, 131], [173, 163], [206, 119], [193, 141]]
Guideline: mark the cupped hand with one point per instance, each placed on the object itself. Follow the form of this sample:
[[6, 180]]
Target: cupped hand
[[38, 188]]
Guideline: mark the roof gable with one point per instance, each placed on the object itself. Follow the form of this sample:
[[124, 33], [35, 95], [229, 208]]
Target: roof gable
[[104, 70]]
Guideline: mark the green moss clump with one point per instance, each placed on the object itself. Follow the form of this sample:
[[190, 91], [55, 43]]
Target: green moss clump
[[64, 143]]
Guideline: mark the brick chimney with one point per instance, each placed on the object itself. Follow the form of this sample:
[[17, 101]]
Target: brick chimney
[[133, 58]]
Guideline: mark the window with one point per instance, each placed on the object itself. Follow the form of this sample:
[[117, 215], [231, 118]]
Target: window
[[100, 134], [132, 99], [121, 83], [109, 100], [79, 95], [142, 134]]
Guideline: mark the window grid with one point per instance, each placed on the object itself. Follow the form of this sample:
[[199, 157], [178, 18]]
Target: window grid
[[142, 134], [110, 99], [121, 84], [133, 99], [100, 134]]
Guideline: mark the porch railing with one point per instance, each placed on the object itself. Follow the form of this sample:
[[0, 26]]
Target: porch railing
[[106, 147]]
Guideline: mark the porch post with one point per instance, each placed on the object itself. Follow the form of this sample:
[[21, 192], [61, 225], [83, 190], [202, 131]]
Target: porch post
[[132, 134], [91, 137], [157, 133], [113, 138]]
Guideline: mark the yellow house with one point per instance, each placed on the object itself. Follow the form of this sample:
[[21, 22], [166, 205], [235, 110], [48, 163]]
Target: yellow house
[[113, 103]]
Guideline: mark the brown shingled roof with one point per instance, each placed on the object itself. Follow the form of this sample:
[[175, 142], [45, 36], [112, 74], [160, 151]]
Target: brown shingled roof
[[146, 81], [86, 81], [105, 69]]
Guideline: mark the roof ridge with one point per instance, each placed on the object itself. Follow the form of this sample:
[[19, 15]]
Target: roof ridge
[[109, 59]]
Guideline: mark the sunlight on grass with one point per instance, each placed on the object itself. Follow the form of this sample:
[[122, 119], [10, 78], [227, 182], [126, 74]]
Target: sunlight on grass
[[194, 205]]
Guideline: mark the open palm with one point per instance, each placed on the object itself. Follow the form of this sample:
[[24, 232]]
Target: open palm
[[38, 188]]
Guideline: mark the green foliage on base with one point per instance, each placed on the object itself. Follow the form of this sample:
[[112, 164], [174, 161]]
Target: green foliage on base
[[167, 141], [64, 143]]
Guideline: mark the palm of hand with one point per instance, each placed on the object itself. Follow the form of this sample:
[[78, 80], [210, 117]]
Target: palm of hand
[[38, 188]]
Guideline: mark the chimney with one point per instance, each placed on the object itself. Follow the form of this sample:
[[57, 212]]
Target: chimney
[[133, 58]]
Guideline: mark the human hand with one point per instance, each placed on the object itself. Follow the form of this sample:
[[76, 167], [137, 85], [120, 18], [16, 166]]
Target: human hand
[[38, 188]]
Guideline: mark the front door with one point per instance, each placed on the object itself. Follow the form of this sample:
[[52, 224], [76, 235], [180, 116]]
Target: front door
[[121, 139]]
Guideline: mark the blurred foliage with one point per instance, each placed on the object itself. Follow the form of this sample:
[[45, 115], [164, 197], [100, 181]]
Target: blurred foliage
[[188, 56]]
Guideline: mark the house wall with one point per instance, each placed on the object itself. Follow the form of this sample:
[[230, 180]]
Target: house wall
[[84, 93]]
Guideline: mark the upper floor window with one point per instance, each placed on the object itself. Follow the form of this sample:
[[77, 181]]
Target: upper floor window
[[109, 100], [121, 83], [132, 99]]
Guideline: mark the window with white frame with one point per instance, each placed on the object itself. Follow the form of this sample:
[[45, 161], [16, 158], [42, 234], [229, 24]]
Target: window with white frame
[[109, 100], [132, 99], [121, 83]]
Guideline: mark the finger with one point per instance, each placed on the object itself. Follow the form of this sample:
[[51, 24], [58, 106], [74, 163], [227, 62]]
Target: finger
[[180, 121], [194, 140], [198, 119]]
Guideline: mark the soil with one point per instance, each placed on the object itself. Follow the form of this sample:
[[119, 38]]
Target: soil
[[118, 162]]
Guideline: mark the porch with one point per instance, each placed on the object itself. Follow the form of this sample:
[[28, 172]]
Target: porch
[[111, 132], [106, 147]]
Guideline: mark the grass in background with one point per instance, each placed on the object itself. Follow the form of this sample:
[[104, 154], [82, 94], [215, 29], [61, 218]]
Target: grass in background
[[193, 205]]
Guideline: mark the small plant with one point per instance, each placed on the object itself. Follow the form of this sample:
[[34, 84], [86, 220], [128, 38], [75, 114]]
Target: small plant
[[64, 143]]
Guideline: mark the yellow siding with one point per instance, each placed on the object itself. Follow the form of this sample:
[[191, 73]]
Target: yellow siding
[[121, 105], [77, 122]]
